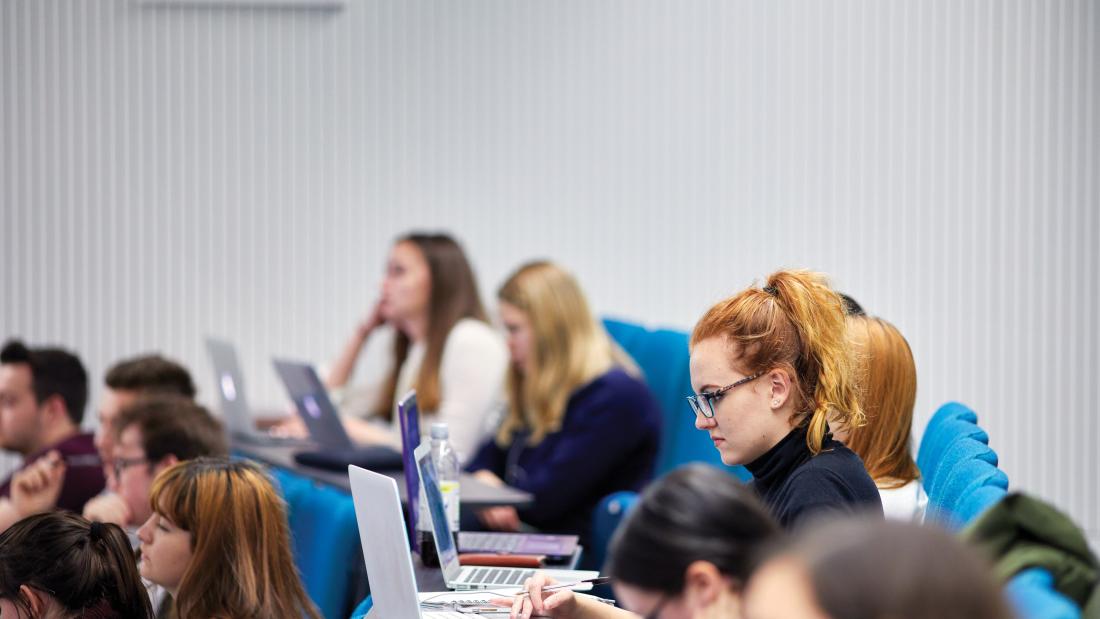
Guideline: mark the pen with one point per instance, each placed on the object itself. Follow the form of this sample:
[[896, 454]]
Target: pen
[[569, 585]]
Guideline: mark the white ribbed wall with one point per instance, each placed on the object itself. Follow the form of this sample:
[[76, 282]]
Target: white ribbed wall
[[174, 170]]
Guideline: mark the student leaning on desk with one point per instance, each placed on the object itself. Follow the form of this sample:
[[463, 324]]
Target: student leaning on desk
[[686, 551], [580, 423]]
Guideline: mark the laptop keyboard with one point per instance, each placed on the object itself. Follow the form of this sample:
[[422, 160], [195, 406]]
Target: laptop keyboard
[[499, 576]]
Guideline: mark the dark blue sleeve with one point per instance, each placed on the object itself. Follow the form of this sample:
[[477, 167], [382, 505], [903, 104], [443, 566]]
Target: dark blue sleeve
[[597, 436], [489, 458]]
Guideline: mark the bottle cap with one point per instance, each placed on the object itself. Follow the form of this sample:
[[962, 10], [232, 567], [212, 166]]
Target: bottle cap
[[440, 431]]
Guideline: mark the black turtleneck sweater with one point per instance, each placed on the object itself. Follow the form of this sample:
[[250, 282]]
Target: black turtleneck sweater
[[795, 484]]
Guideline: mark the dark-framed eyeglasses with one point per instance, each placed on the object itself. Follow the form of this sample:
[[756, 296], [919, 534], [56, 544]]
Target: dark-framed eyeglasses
[[121, 464], [703, 404]]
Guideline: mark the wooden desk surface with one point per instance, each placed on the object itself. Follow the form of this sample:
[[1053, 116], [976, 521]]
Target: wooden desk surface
[[474, 492]]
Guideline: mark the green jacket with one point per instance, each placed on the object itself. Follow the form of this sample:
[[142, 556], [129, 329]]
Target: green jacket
[[1021, 532]]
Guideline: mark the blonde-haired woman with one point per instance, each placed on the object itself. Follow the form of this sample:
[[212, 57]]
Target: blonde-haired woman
[[888, 379], [580, 424], [219, 543], [771, 367]]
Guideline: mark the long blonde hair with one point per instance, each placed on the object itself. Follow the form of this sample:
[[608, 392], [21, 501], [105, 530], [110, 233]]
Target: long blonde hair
[[569, 349], [241, 565], [795, 324], [888, 381]]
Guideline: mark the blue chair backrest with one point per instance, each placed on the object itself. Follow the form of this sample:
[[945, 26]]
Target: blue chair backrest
[[975, 503], [663, 358], [325, 539], [363, 608], [1033, 595], [942, 431]]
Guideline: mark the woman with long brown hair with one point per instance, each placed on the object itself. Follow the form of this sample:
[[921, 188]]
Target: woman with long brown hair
[[219, 543], [771, 368], [888, 393], [431, 319]]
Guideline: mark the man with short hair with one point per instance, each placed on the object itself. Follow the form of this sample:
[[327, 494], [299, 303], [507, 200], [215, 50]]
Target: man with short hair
[[126, 381], [151, 435], [43, 392]]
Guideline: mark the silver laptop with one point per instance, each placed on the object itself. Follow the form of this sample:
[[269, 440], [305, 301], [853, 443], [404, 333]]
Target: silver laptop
[[468, 577], [313, 405], [231, 391], [389, 564]]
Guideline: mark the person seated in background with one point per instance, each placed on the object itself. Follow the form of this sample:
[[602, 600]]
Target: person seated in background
[[888, 394], [580, 423], [152, 434], [43, 392], [432, 321], [686, 550], [61, 566], [771, 368], [218, 541], [857, 568], [130, 379]]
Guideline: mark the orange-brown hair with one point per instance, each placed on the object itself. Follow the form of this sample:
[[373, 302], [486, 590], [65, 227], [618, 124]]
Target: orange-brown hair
[[453, 297], [888, 381], [795, 324], [241, 564]]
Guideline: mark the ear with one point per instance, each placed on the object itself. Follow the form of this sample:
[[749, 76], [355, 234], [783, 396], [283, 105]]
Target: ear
[[165, 462], [779, 384], [55, 407], [35, 599], [703, 584]]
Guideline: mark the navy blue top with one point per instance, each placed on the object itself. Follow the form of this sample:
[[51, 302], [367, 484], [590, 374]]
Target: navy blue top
[[607, 442], [795, 484]]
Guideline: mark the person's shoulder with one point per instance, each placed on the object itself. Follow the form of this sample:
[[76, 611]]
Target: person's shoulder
[[471, 332], [78, 444]]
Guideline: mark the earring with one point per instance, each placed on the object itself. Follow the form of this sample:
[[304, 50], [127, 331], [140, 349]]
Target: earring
[[775, 402]]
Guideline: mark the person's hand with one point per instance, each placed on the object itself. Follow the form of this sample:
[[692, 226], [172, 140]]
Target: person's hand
[[560, 603], [291, 427], [36, 488], [108, 507], [373, 320], [500, 518]]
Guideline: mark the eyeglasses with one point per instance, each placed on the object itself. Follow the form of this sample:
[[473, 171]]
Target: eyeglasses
[[121, 464], [656, 611], [703, 404]]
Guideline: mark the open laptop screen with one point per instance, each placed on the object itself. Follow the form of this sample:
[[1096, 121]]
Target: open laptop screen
[[441, 527], [408, 413]]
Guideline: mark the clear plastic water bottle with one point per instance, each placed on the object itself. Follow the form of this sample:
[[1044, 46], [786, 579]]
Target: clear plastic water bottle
[[446, 465]]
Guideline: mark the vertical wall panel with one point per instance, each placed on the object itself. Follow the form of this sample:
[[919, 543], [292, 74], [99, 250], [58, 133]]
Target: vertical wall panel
[[172, 171]]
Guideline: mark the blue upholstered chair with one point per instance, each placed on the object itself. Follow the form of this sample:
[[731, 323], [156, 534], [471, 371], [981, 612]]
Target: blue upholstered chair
[[362, 609], [662, 355], [1033, 595], [325, 539]]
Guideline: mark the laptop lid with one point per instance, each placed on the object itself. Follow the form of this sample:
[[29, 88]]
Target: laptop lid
[[408, 413], [382, 533], [312, 403], [441, 526], [230, 382]]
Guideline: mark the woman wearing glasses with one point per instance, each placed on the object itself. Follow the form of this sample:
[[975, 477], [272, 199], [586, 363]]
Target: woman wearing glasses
[[771, 366], [580, 425], [685, 551]]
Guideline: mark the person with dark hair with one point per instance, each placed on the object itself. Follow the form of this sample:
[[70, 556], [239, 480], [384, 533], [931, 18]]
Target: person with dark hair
[[858, 568], [430, 317], [152, 434], [43, 392], [129, 379], [771, 368], [686, 550], [61, 566]]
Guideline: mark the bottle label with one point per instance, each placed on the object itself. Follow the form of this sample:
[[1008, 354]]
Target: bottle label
[[450, 502]]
